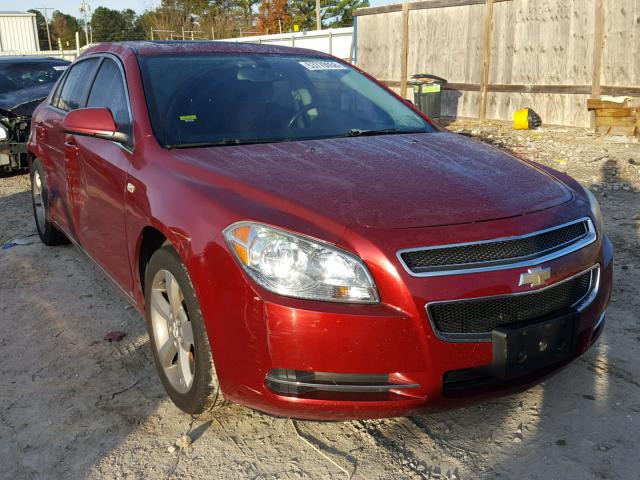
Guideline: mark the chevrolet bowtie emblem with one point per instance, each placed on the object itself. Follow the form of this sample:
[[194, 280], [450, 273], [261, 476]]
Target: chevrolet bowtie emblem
[[535, 277]]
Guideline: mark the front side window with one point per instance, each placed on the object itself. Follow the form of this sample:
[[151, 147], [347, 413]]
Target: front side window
[[218, 99], [108, 91], [76, 84]]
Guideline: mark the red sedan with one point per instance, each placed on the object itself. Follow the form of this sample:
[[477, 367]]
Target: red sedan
[[302, 241]]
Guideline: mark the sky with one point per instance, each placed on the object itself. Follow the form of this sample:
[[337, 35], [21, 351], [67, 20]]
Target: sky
[[72, 7]]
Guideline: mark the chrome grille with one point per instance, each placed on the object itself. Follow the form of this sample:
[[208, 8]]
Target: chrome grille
[[498, 253]]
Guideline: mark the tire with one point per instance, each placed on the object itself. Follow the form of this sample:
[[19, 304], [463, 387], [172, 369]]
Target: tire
[[47, 231], [189, 378]]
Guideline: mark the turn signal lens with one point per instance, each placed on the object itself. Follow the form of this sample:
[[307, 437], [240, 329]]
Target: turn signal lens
[[298, 266]]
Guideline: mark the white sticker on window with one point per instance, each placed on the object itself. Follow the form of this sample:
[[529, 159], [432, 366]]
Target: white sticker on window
[[319, 65], [59, 68]]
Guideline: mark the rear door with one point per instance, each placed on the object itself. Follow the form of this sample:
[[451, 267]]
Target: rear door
[[70, 94], [98, 180]]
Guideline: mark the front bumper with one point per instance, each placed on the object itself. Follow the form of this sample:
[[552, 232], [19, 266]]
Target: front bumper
[[272, 332]]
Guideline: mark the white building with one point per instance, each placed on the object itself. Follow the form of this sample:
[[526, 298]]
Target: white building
[[18, 32]]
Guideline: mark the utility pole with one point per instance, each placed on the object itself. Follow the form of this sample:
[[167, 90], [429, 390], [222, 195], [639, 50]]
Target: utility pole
[[46, 22], [318, 16], [84, 8]]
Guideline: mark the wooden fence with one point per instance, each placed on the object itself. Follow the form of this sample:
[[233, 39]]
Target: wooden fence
[[502, 55]]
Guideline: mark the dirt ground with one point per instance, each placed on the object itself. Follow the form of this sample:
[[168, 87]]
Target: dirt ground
[[73, 406]]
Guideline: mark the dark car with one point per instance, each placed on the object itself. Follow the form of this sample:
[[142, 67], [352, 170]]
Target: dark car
[[303, 241], [24, 83]]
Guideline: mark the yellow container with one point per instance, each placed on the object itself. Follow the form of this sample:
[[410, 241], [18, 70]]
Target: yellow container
[[521, 119]]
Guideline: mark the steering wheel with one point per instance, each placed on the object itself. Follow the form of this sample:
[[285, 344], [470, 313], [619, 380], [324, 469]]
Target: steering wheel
[[299, 113]]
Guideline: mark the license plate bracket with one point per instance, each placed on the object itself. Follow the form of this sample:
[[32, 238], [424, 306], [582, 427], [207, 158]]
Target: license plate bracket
[[522, 349]]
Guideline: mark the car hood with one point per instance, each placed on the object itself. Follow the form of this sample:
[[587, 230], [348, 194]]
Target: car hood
[[390, 181], [24, 102]]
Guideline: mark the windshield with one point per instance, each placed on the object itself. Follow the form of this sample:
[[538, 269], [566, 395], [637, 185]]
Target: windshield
[[21, 75], [214, 99]]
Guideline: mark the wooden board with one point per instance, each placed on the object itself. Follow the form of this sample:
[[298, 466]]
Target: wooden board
[[595, 103], [621, 64], [543, 43], [379, 45], [542, 53], [616, 121], [614, 112]]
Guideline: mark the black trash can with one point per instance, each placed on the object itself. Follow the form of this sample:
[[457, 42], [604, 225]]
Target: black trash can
[[427, 91]]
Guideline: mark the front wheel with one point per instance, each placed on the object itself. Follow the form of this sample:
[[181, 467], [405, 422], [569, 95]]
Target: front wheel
[[47, 231], [177, 334]]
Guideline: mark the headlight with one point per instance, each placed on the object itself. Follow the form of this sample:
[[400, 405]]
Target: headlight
[[4, 133], [595, 211], [298, 266]]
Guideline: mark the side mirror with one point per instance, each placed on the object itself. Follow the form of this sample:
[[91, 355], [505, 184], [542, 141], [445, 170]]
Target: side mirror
[[93, 122]]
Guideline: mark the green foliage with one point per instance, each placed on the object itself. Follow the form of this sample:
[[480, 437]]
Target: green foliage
[[42, 30], [199, 19], [63, 30], [339, 13], [112, 26]]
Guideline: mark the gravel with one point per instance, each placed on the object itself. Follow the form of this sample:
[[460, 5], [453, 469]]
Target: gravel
[[75, 406]]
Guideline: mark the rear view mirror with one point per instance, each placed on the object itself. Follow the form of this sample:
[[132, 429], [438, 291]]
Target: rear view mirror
[[93, 122]]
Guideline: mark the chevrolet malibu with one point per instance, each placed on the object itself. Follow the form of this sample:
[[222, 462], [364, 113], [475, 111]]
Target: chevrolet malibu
[[302, 241]]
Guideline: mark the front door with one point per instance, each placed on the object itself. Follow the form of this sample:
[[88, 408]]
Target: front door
[[97, 176]]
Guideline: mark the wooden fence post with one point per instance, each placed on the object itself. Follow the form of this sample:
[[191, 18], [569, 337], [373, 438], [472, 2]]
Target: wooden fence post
[[486, 58], [598, 49], [404, 59]]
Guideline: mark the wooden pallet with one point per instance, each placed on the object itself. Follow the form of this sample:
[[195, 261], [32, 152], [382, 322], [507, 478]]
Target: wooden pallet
[[615, 118]]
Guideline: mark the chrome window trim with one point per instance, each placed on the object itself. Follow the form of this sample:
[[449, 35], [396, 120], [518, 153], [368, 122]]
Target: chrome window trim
[[580, 305], [587, 239]]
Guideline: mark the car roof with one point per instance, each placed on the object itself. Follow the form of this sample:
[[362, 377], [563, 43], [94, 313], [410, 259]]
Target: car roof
[[30, 59], [172, 47]]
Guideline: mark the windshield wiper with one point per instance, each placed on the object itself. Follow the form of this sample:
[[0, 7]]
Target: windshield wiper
[[357, 132]]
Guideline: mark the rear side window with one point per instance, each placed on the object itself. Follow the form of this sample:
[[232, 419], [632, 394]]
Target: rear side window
[[108, 91], [76, 85]]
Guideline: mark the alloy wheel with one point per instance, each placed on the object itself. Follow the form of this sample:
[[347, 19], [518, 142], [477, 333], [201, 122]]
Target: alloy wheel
[[172, 331]]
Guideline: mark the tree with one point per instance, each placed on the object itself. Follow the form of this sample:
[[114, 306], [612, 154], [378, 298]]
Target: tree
[[340, 12], [112, 26], [42, 30], [273, 15], [63, 29], [333, 13]]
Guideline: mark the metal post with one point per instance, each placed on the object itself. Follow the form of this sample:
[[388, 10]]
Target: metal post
[[318, 16], [330, 43], [46, 22], [151, 33], [77, 44], [84, 8]]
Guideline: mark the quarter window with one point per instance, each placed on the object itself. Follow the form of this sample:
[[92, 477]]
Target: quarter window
[[76, 84], [108, 91]]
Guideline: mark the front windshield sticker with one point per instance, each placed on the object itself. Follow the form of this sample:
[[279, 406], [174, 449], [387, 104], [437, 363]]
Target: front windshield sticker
[[323, 66], [188, 118], [59, 68]]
